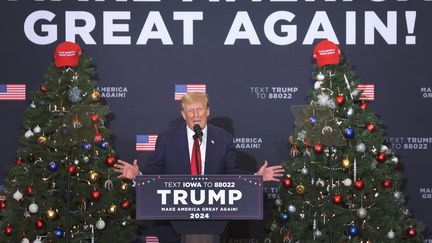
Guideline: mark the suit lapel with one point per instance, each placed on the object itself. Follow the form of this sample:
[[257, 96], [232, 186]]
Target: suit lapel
[[209, 151], [183, 152]]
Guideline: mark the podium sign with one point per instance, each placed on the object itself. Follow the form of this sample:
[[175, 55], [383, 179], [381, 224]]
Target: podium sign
[[209, 197]]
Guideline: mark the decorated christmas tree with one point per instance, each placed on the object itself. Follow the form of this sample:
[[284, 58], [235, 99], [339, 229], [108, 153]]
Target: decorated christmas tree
[[343, 184], [63, 187]]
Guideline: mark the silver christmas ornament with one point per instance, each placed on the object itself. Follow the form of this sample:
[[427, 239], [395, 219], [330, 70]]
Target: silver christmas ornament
[[17, 195], [28, 134], [86, 159], [25, 240], [320, 77], [347, 182], [292, 209], [317, 233], [38, 240], [74, 94], [278, 202], [361, 213], [391, 235], [397, 195], [350, 112], [100, 224], [37, 129], [304, 171], [395, 159], [317, 85], [76, 162], [384, 148], [320, 183], [33, 208], [33, 105], [360, 148]]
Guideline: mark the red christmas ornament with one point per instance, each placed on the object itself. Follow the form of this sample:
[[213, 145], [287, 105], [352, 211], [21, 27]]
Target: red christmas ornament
[[18, 161], [2, 204], [370, 127], [98, 137], [340, 99], [39, 224], [72, 169], [386, 183], [110, 161], [359, 184], [288, 182], [363, 106], [411, 232], [381, 157], [94, 118], [8, 230], [318, 148], [29, 191], [95, 195], [43, 88], [337, 199], [125, 204]]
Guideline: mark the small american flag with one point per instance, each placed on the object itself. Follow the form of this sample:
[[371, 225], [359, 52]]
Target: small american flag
[[182, 89], [151, 239], [146, 142], [367, 90], [12, 91]]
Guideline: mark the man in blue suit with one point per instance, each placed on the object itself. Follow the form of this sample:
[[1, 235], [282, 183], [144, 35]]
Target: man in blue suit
[[175, 152]]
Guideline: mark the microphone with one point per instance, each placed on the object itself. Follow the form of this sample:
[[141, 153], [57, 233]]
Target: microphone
[[198, 131]]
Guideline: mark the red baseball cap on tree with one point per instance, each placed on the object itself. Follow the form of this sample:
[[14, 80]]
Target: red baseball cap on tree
[[67, 54], [326, 52]]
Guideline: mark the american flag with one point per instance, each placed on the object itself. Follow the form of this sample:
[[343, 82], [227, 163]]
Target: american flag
[[12, 91], [151, 239], [146, 142], [367, 90], [182, 89]]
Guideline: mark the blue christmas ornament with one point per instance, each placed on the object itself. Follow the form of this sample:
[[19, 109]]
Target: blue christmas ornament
[[59, 232], [352, 230], [313, 120], [87, 146], [103, 144], [349, 132], [52, 166], [285, 216]]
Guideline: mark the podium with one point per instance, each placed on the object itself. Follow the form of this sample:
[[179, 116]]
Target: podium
[[199, 207]]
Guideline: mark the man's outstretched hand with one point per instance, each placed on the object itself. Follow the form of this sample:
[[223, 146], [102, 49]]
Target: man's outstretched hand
[[127, 170], [270, 173]]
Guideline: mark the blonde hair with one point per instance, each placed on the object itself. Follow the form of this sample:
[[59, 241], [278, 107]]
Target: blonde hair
[[195, 97]]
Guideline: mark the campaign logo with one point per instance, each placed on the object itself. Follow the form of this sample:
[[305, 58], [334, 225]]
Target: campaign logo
[[367, 92], [146, 142], [182, 89], [247, 143], [273, 92], [12, 91], [426, 92], [410, 143], [426, 193], [113, 91]]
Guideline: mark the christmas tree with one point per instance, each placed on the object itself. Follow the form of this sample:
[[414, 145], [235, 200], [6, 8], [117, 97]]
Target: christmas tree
[[343, 184], [63, 187]]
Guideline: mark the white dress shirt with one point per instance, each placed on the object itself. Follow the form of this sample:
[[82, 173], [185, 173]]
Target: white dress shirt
[[190, 134]]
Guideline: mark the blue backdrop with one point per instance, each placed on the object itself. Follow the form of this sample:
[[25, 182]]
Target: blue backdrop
[[255, 58]]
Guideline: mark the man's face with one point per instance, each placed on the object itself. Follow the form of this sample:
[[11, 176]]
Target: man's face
[[195, 113]]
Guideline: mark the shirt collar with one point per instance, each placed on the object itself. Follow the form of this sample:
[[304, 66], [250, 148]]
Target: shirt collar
[[190, 133]]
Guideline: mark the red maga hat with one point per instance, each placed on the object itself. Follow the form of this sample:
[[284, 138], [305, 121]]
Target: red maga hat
[[326, 52], [67, 54]]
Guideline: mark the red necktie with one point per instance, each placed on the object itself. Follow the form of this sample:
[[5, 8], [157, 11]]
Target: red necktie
[[196, 166]]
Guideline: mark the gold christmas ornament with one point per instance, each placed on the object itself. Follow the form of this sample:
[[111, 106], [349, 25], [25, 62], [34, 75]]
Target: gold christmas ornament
[[94, 176], [125, 186], [112, 209], [346, 163], [300, 189], [42, 140], [95, 96], [51, 214]]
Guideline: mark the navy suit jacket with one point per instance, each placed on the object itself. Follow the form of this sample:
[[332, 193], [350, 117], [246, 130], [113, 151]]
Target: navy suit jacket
[[171, 155]]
